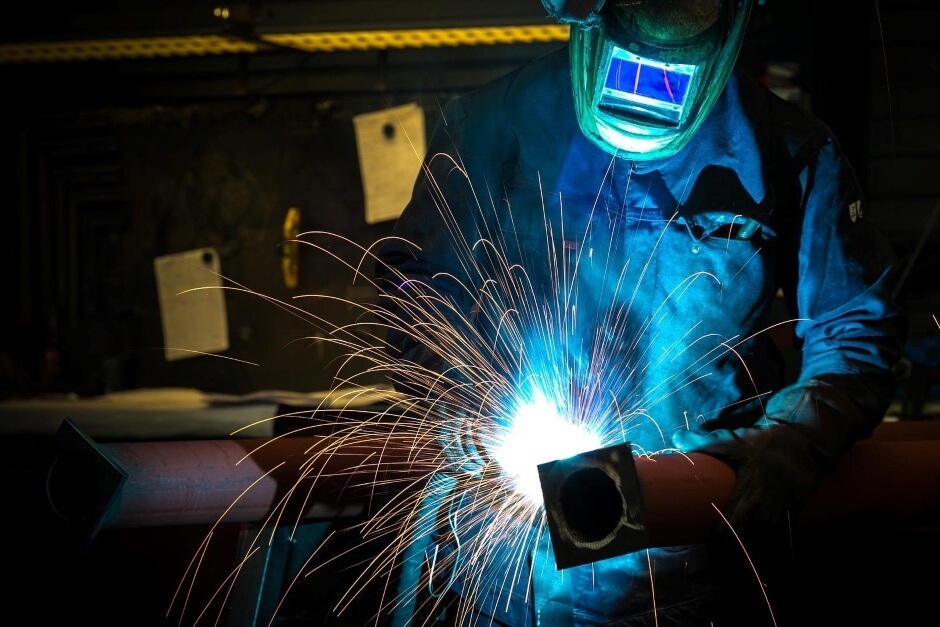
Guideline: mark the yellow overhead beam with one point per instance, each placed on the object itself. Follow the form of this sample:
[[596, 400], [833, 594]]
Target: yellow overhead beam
[[142, 48], [152, 47], [420, 38]]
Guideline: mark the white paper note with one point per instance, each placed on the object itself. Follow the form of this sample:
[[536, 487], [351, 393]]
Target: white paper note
[[391, 144], [192, 303]]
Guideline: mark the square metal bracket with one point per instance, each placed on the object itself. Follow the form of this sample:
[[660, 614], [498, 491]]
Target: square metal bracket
[[594, 506]]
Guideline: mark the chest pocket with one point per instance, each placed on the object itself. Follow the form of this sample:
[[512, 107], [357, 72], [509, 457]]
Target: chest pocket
[[733, 235], [719, 207]]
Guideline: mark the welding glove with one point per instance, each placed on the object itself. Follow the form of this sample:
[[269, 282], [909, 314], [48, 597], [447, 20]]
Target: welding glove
[[462, 463], [458, 418], [462, 453], [779, 461]]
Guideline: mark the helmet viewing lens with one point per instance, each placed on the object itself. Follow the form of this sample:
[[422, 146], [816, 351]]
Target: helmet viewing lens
[[646, 88]]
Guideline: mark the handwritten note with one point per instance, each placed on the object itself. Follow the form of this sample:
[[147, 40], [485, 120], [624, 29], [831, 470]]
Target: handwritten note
[[192, 303], [391, 145]]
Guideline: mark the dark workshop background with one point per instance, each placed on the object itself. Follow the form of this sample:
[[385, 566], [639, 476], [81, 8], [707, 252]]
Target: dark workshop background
[[117, 160], [114, 153]]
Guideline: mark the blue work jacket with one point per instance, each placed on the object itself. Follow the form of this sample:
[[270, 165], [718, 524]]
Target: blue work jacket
[[646, 289]]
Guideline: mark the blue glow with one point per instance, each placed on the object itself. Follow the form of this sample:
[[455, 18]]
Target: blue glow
[[538, 432], [646, 87]]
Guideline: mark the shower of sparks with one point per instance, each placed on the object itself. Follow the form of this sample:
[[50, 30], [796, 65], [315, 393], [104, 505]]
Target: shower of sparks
[[457, 449]]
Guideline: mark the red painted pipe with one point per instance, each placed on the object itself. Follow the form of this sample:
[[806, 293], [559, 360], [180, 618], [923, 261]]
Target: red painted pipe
[[889, 482], [153, 484], [893, 477]]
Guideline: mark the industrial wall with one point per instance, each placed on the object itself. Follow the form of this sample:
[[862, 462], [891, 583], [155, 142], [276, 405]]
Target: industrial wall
[[115, 161]]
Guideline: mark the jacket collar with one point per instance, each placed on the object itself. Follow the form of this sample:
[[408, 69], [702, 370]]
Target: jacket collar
[[725, 139]]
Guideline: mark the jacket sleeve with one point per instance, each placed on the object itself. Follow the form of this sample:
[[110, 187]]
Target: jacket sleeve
[[427, 272], [837, 274], [850, 331]]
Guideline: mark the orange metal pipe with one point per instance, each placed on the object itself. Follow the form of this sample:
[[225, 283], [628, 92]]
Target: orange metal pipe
[[157, 484], [893, 477]]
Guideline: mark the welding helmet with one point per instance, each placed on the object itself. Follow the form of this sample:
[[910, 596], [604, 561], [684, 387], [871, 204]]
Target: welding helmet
[[646, 73]]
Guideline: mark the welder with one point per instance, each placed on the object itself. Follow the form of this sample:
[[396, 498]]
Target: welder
[[663, 198]]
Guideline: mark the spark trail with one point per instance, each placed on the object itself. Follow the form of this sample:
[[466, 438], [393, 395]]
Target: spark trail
[[530, 364]]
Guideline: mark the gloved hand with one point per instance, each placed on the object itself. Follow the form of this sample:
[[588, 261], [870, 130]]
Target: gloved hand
[[458, 424], [778, 462], [462, 455]]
